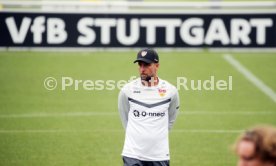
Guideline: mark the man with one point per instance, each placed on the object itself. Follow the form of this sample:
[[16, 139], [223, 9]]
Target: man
[[257, 147], [148, 107]]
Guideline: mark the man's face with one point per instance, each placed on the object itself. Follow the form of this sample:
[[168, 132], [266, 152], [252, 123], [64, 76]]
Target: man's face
[[147, 70], [247, 156]]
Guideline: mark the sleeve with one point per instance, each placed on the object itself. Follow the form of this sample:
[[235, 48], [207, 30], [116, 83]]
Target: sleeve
[[123, 107], [173, 109]]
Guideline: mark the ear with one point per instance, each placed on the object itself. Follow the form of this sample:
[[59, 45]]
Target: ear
[[157, 65]]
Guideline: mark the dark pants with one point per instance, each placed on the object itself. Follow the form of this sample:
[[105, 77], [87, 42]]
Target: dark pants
[[135, 162]]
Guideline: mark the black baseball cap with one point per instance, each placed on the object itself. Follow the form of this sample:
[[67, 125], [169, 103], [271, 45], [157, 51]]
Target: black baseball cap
[[147, 55]]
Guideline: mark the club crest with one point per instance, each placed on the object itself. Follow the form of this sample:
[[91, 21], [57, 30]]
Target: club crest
[[144, 53], [162, 92]]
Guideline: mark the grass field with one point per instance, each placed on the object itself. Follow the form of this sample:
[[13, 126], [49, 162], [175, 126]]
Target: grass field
[[81, 127]]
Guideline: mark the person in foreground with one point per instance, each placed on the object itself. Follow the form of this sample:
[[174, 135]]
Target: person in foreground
[[148, 108], [257, 147]]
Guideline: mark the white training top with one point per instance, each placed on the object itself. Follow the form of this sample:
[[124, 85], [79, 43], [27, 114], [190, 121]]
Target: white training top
[[147, 113]]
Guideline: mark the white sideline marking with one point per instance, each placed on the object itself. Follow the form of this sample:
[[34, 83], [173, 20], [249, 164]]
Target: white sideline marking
[[86, 114], [228, 112], [67, 114], [56, 131], [251, 77], [205, 131], [119, 131]]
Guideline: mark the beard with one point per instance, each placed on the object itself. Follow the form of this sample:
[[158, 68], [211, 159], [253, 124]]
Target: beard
[[148, 80], [146, 77]]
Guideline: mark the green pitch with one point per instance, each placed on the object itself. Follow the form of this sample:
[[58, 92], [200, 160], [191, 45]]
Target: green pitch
[[82, 127]]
